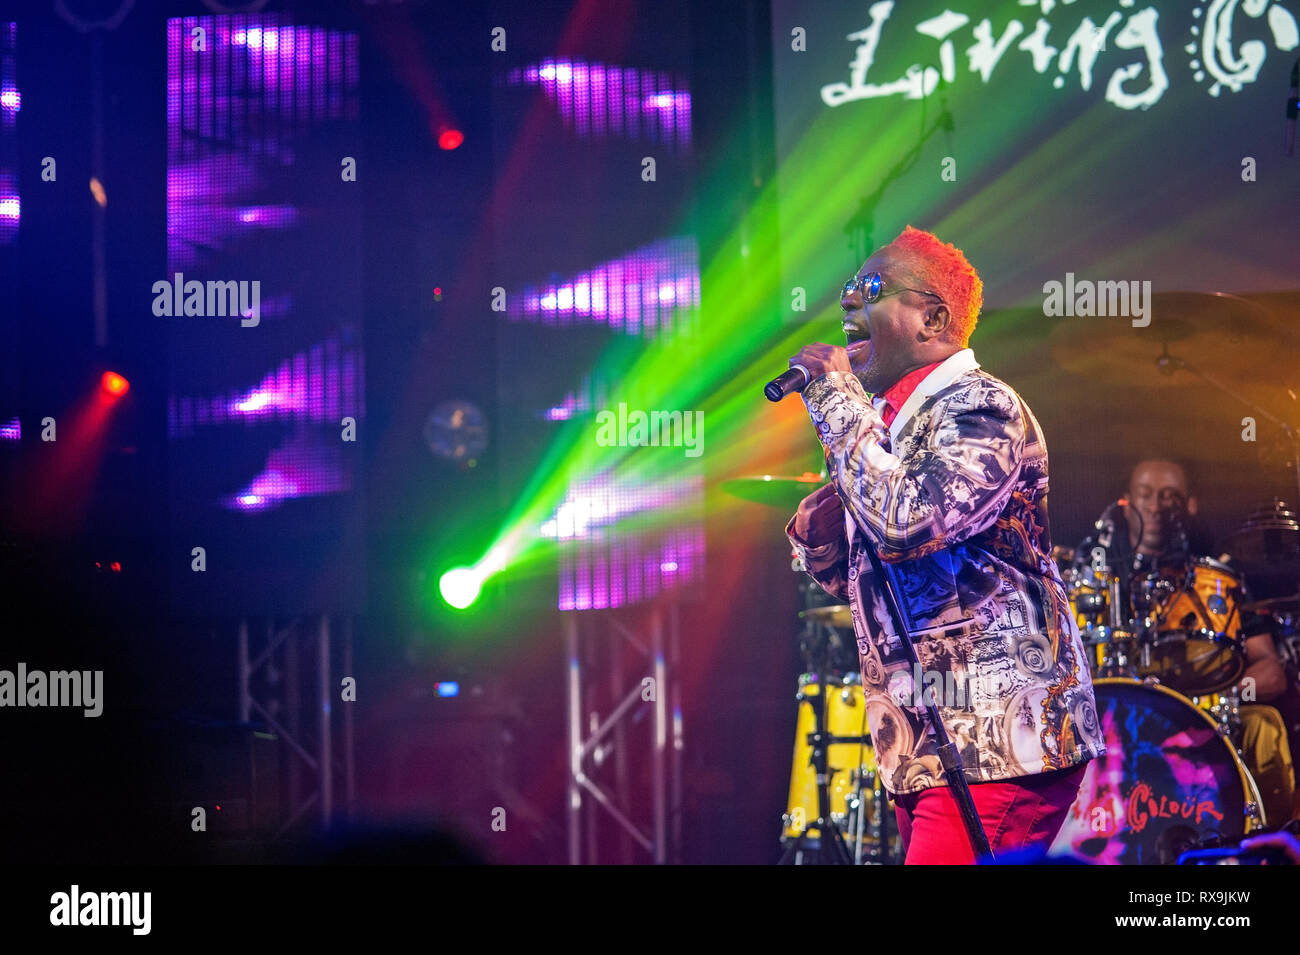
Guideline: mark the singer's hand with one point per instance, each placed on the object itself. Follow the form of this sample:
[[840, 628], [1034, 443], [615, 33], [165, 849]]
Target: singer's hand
[[819, 359]]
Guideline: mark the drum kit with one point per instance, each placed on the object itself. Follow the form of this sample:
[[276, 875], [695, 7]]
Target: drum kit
[[1167, 650]]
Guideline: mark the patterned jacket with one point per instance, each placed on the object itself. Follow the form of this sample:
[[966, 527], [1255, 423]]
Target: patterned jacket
[[953, 496]]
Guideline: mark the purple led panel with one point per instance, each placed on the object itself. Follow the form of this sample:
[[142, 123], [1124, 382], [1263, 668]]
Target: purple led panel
[[300, 467], [651, 290], [11, 101], [320, 384], [241, 114], [598, 101], [237, 110], [590, 394], [604, 566]]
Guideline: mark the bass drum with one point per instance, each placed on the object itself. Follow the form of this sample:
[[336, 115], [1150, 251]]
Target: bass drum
[[1168, 781]]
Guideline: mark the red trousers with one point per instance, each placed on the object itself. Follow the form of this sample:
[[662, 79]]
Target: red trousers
[[1019, 814]]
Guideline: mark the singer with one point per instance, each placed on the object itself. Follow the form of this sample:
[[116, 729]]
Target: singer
[[942, 469]]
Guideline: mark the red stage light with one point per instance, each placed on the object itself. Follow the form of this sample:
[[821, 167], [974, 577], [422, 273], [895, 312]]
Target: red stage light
[[450, 138], [114, 384]]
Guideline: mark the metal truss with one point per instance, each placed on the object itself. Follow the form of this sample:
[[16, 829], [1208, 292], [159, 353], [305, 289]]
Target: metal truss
[[605, 745], [291, 716]]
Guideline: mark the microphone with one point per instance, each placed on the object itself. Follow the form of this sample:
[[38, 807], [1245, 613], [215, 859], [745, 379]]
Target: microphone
[[788, 382], [1175, 535], [1105, 525], [1292, 108]]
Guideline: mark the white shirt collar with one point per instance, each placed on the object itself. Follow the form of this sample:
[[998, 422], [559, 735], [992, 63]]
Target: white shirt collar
[[952, 368]]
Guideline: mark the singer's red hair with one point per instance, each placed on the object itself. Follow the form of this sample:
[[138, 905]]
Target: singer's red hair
[[941, 268]]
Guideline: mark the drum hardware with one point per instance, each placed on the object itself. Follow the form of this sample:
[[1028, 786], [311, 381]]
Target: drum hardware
[[1092, 604], [858, 821], [1226, 709], [1255, 811], [829, 848], [858, 806], [1116, 611], [1119, 648], [1113, 656], [826, 643]]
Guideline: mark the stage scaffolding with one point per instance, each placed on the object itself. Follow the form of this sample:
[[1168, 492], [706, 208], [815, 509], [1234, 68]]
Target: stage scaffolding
[[314, 769], [606, 700]]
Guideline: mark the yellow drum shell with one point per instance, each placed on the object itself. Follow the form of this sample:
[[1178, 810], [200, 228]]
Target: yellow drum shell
[[848, 762]]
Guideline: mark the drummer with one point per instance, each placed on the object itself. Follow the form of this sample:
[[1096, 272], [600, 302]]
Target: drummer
[[1155, 527], [1156, 523]]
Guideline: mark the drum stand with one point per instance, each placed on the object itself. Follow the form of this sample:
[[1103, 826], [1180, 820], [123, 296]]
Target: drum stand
[[830, 848], [881, 854]]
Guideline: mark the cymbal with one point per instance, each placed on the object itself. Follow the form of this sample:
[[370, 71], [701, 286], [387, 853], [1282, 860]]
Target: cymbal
[[835, 615], [1224, 335], [1290, 602], [1267, 548], [775, 490]]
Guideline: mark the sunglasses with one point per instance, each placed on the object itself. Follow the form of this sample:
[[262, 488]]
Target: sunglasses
[[871, 286]]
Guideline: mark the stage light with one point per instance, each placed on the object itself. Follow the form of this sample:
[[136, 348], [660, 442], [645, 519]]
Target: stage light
[[457, 430], [449, 139], [447, 688], [460, 587], [114, 384]]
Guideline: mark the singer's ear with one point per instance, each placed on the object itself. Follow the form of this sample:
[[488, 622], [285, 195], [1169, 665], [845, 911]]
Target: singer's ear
[[937, 321], [1192, 505]]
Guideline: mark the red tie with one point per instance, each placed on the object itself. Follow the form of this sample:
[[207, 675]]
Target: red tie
[[889, 414]]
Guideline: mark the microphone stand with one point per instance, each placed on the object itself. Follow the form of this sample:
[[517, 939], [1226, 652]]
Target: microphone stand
[[948, 755]]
